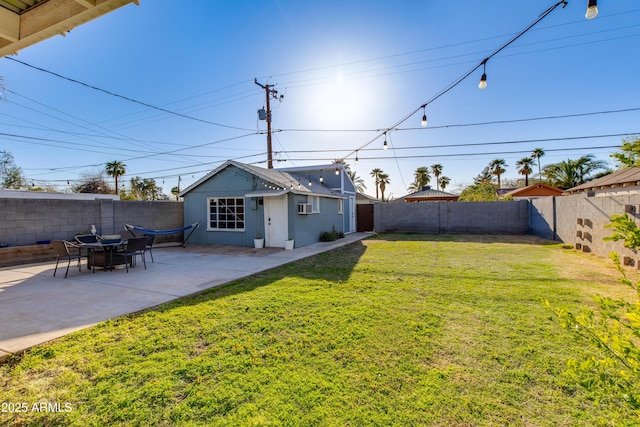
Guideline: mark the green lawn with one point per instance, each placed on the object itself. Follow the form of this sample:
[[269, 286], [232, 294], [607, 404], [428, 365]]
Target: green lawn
[[399, 330]]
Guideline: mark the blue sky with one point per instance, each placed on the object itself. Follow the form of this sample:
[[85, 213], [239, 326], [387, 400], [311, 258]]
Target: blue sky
[[347, 70]]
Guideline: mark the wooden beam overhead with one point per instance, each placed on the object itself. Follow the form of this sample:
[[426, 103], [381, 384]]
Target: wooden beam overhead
[[48, 19]]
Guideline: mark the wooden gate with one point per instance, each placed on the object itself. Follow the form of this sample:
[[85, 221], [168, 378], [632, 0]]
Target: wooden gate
[[365, 217]]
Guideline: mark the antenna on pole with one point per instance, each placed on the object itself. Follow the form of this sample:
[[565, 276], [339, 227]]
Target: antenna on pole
[[270, 92]]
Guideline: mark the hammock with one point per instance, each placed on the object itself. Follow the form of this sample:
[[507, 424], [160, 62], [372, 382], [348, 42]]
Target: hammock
[[131, 228]]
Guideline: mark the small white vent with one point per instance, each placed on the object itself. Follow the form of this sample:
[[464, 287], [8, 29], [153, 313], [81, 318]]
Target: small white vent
[[304, 208]]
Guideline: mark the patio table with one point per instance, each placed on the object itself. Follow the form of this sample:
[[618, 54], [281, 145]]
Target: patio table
[[107, 248]]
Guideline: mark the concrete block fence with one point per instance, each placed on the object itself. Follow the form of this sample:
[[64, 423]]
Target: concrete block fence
[[580, 220], [453, 217], [28, 221]]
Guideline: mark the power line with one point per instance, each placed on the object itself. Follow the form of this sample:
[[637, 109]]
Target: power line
[[126, 98]]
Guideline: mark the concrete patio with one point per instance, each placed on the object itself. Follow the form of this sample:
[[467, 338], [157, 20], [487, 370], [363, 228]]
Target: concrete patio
[[36, 307]]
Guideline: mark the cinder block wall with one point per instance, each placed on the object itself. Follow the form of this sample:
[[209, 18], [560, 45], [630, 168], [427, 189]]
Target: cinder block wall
[[581, 221], [453, 217], [26, 221]]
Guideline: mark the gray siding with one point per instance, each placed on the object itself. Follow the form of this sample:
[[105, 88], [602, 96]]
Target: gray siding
[[306, 229]]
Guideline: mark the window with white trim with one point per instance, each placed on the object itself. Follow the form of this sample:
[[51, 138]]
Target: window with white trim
[[226, 213], [315, 203], [340, 206]]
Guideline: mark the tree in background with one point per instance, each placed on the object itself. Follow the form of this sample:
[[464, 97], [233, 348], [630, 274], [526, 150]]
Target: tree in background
[[115, 169], [444, 181], [570, 173], [358, 182], [92, 182], [421, 178], [498, 167], [629, 154], [483, 192], [175, 191], [536, 154], [383, 180], [145, 189], [483, 177], [436, 170], [375, 173], [524, 168], [10, 174]]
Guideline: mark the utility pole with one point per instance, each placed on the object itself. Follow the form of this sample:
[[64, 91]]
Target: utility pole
[[270, 92]]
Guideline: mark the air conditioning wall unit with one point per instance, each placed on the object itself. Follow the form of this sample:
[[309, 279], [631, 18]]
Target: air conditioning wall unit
[[304, 208]]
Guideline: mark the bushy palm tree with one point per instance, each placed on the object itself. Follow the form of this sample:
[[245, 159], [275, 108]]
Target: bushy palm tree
[[524, 168], [358, 182], [444, 181], [375, 173], [498, 167], [115, 169], [570, 173], [421, 178], [383, 180], [536, 154], [436, 170]]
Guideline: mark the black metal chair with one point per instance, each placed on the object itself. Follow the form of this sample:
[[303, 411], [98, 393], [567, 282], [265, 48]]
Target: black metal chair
[[151, 238], [135, 246], [61, 249]]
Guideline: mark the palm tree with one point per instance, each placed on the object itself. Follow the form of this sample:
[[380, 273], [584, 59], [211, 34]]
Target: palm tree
[[375, 173], [497, 167], [357, 181], [570, 173], [444, 181], [437, 171], [383, 180], [536, 154], [115, 169], [524, 168], [421, 178]]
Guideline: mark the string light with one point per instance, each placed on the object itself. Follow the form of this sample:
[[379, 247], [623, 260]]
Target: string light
[[356, 161], [424, 116], [483, 79], [309, 182], [384, 146], [321, 179], [592, 9], [337, 171]]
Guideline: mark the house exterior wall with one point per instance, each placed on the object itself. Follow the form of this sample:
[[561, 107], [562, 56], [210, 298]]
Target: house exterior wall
[[230, 182], [446, 217], [306, 229], [27, 221], [235, 182]]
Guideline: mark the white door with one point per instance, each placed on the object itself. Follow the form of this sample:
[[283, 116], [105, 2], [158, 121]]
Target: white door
[[352, 212], [276, 221]]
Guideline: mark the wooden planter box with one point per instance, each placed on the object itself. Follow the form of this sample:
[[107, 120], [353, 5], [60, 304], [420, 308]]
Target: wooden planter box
[[15, 255]]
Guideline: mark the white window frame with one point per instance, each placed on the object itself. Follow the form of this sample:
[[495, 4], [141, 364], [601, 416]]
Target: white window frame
[[315, 203], [340, 206], [236, 218]]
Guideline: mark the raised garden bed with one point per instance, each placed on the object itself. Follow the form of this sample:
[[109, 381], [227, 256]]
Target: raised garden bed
[[15, 255]]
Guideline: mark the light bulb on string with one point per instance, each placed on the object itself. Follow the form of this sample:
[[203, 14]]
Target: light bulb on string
[[321, 179], [309, 183], [337, 171], [424, 117], [483, 79], [356, 161], [384, 146], [592, 9]]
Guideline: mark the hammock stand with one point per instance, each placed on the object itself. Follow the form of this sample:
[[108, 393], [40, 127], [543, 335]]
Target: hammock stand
[[193, 227]]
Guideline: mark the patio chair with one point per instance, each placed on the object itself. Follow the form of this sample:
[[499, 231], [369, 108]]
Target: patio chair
[[135, 246], [151, 238], [62, 250]]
